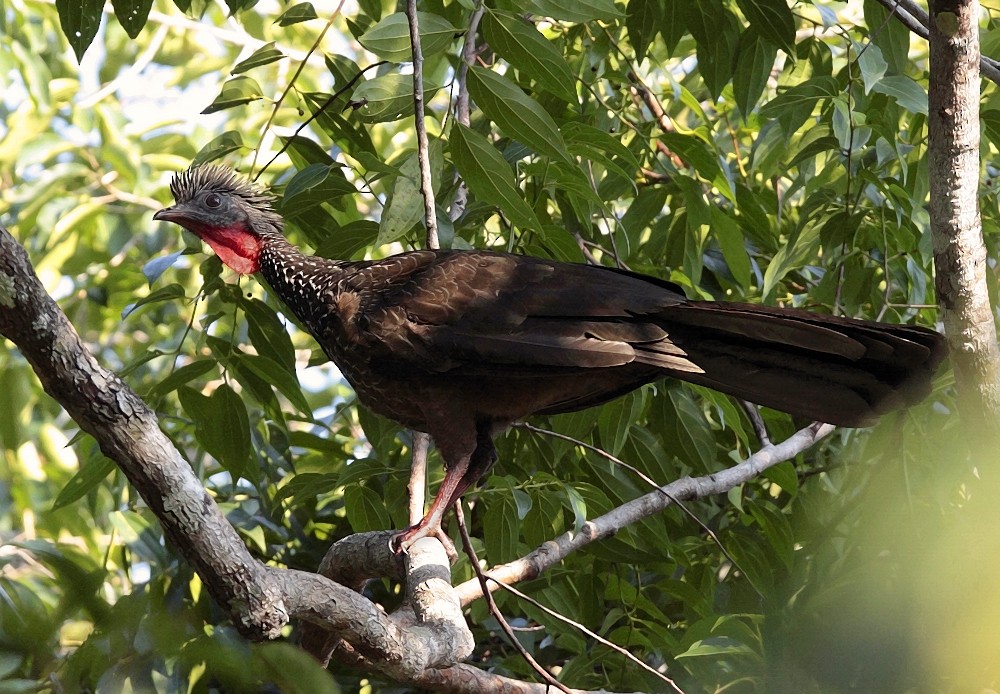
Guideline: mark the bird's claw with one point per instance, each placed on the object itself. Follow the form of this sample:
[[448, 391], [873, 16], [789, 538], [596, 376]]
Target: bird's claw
[[400, 543]]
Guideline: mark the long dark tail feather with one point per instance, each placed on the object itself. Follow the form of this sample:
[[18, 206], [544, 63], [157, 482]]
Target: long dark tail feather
[[837, 370]]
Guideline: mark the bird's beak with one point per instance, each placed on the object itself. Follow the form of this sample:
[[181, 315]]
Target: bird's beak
[[169, 214]]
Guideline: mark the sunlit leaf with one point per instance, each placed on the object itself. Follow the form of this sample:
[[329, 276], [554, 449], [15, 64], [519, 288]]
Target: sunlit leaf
[[302, 12], [388, 97], [265, 55], [236, 92], [390, 38]]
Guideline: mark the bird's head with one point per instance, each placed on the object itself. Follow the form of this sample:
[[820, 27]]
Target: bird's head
[[227, 212]]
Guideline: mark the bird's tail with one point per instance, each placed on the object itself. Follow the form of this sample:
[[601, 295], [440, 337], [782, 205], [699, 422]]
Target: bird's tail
[[836, 370]]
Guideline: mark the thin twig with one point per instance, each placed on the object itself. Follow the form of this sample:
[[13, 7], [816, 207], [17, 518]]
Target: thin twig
[[756, 421], [417, 486], [597, 637], [462, 107], [554, 551], [648, 480], [291, 82], [495, 611], [326, 104], [423, 159]]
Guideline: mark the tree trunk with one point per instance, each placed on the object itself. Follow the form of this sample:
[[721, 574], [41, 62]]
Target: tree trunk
[[959, 251]]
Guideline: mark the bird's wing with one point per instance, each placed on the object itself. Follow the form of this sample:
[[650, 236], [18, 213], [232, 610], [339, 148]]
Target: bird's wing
[[467, 310]]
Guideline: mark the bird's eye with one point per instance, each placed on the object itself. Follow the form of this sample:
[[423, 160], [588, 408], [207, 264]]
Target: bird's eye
[[213, 200]]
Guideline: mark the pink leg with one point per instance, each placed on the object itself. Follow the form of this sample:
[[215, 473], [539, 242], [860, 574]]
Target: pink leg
[[459, 476]]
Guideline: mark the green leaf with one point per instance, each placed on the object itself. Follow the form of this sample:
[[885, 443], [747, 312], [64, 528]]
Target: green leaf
[[265, 55], [287, 668], [521, 45], [517, 114], [158, 265], [501, 523], [907, 93], [366, 509], [784, 475], [221, 425], [776, 529], [489, 176], [226, 143], [803, 94], [390, 38], [734, 250], [773, 19], [891, 36], [302, 12], [578, 10], [132, 15], [309, 484], [674, 23], [92, 473], [388, 97], [314, 185], [183, 375], [595, 144], [343, 243], [703, 157], [644, 18], [172, 292], [235, 92], [405, 207], [268, 334], [754, 62], [794, 254], [715, 30], [871, 63], [272, 372], [615, 420], [80, 20]]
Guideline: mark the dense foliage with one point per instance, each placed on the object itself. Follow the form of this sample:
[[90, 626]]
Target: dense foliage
[[745, 150]]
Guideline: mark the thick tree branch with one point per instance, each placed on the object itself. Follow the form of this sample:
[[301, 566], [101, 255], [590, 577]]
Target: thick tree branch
[[260, 599]]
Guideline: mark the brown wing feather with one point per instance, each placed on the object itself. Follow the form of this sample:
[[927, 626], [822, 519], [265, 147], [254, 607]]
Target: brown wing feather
[[474, 313]]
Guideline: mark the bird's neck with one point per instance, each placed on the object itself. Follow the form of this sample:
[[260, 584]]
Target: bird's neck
[[299, 280]]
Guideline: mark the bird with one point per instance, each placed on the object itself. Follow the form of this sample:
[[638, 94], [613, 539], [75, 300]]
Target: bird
[[463, 344]]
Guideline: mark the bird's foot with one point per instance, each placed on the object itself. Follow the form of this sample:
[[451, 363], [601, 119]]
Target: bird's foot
[[401, 542]]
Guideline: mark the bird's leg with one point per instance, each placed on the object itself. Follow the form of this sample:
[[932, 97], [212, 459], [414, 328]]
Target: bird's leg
[[459, 476]]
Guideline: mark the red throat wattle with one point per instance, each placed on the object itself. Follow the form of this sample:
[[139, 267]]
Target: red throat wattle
[[236, 247]]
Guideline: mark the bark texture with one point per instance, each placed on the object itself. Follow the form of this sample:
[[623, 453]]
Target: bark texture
[[959, 251], [260, 599]]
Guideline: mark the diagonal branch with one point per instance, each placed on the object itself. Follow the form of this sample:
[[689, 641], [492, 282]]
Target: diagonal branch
[[260, 599], [686, 488], [915, 18]]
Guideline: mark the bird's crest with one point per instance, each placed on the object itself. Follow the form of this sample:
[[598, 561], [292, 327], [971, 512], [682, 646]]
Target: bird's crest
[[198, 179]]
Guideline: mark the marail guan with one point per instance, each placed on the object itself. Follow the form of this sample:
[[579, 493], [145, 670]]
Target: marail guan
[[462, 344]]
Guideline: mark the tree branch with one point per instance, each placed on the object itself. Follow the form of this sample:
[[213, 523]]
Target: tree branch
[[915, 18], [423, 159], [554, 551], [260, 599]]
